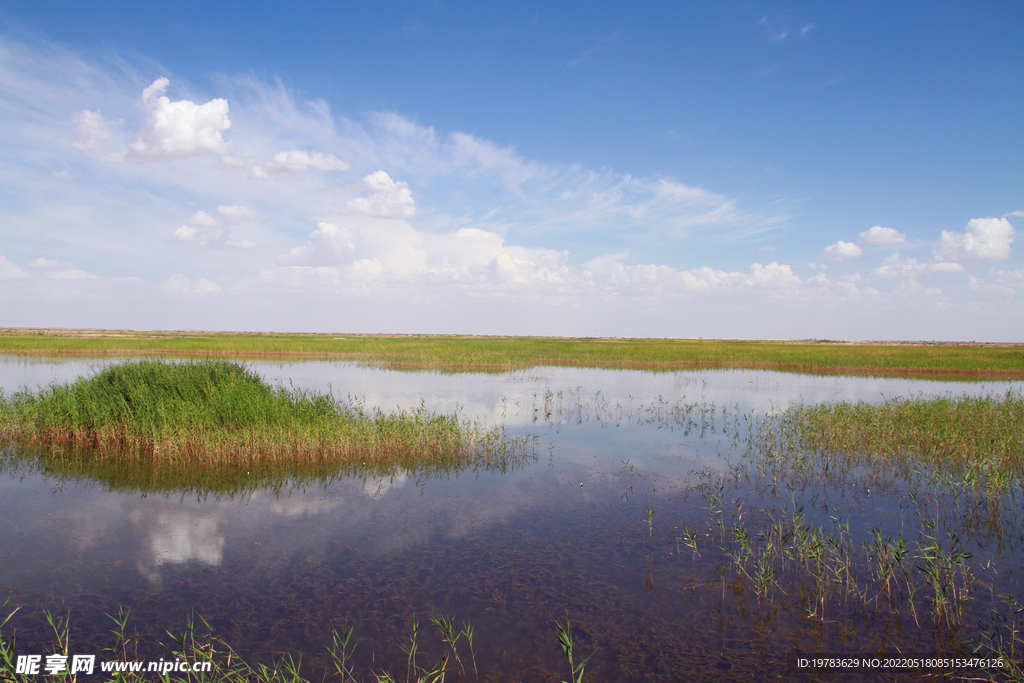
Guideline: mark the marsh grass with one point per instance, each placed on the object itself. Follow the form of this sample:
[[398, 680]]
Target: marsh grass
[[956, 467], [981, 436], [214, 419], [455, 352]]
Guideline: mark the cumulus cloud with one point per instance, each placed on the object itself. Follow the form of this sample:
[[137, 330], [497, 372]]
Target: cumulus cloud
[[204, 229], [893, 267], [884, 237], [328, 245], [291, 162], [842, 251], [390, 199], [175, 130], [353, 252], [985, 239]]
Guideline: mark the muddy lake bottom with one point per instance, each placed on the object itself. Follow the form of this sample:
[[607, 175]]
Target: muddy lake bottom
[[566, 536]]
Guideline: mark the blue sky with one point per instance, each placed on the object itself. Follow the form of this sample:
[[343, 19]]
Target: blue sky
[[646, 169]]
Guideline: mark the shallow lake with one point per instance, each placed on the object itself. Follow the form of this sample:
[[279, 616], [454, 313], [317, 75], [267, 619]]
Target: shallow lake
[[593, 529]]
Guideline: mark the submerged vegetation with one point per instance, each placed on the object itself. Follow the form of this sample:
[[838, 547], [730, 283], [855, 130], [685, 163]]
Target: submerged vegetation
[[455, 352], [212, 421]]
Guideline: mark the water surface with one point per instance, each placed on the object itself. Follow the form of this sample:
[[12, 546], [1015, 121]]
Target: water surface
[[510, 552]]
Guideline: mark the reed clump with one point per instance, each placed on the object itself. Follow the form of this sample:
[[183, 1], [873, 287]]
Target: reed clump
[[978, 437], [214, 413], [949, 430]]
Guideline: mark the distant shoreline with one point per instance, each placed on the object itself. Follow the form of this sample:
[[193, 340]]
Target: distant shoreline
[[495, 353], [114, 332]]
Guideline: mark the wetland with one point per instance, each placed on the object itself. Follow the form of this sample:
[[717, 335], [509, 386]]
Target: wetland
[[690, 524]]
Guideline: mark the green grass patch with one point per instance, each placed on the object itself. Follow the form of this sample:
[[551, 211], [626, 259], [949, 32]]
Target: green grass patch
[[178, 421], [505, 353], [977, 437]]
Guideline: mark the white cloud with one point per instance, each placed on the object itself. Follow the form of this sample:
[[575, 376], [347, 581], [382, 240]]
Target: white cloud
[[937, 266], [293, 161], [10, 271], [62, 175], [880, 236], [92, 131], [842, 251], [232, 161], [1010, 278], [201, 228], [1006, 282], [1016, 214], [985, 239], [175, 130], [181, 285], [389, 199], [58, 270], [348, 253], [47, 264], [766, 248], [237, 214], [328, 245], [894, 267], [913, 287], [69, 274], [204, 229]]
